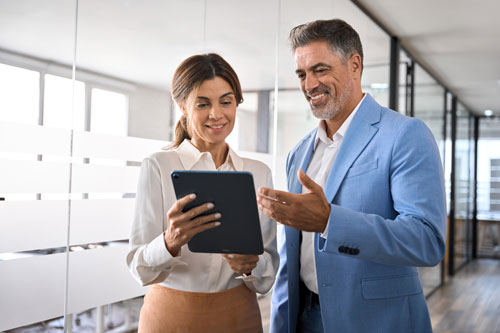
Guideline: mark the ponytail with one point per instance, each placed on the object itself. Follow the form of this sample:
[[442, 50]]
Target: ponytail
[[181, 133]]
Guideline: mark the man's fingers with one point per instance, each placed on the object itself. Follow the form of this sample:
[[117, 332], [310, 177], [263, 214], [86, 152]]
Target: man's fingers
[[307, 182]]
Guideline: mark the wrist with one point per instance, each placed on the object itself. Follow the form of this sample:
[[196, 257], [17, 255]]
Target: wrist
[[172, 249]]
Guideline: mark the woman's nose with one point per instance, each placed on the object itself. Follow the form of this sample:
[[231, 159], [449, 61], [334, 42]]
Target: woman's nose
[[215, 113]]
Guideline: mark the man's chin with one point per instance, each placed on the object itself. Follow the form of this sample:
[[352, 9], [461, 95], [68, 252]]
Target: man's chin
[[323, 114]]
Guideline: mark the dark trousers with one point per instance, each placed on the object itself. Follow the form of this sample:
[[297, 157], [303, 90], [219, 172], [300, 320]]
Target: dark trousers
[[309, 320]]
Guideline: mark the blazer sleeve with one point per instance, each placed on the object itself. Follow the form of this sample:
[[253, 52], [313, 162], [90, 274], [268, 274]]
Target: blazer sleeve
[[416, 236]]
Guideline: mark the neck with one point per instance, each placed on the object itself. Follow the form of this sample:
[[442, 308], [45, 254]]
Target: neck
[[218, 151], [333, 124]]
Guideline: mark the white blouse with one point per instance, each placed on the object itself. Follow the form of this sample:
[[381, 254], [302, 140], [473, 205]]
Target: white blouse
[[148, 258]]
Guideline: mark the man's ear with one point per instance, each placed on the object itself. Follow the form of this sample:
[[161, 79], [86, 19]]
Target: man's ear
[[355, 65]]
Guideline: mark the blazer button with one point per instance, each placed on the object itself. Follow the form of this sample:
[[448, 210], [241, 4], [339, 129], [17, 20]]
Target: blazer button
[[350, 251], [342, 249], [356, 252]]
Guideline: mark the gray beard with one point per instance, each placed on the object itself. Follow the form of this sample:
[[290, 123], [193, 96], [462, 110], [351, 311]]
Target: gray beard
[[333, 107]]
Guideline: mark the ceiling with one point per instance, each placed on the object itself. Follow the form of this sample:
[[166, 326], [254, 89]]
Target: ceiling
[[142, 42], [456, 40]]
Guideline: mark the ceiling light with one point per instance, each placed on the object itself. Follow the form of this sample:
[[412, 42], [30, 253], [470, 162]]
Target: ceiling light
[[488, 113]]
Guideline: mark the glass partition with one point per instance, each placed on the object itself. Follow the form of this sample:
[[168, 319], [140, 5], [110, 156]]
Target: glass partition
[[464, 157], [488, 188], [36, 57], [429, 107]]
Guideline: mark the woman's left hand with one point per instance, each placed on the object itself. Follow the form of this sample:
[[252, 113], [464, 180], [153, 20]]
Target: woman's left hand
[[241, 263]]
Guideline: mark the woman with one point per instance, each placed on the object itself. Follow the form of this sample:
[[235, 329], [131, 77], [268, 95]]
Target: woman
[[197, 292]]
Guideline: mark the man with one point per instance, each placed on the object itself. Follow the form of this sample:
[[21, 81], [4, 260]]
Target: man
[[365, 206]]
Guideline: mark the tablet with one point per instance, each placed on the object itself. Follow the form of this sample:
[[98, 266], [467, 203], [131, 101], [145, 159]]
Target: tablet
[[233, 195]]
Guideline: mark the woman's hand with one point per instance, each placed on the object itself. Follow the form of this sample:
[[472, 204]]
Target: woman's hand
[[241, 263], [182, 226]]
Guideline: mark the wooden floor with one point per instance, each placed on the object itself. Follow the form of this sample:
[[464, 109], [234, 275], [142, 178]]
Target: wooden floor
[[468, 302]]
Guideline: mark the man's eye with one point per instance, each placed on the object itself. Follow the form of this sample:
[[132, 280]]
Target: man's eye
[[301, 76], [321, 70], [226, 103]]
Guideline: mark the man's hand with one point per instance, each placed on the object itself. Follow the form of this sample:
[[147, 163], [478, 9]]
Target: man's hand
[[308, 212]]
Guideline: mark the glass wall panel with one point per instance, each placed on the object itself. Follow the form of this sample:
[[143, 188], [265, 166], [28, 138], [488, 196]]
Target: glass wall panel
[[464, 156], [36, 45], [429, 107], [127, 54], [488, 188]]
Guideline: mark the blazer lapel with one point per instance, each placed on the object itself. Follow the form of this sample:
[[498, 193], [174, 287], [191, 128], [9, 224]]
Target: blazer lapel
[[358, 135]]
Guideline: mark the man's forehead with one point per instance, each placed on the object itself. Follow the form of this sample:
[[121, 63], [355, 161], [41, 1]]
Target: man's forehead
[[311, 54]]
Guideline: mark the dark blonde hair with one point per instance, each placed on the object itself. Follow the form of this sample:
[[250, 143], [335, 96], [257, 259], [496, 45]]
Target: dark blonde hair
[[189, 76]]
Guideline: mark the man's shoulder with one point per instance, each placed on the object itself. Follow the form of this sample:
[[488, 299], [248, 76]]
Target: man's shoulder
[[305, 140]]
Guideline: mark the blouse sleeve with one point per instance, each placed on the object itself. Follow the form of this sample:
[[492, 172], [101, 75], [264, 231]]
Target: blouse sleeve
[[148, 258], [263, 275]]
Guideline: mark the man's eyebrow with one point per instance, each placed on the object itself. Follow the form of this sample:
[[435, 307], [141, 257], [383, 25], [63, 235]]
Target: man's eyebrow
[[313, 67], [319, 64]]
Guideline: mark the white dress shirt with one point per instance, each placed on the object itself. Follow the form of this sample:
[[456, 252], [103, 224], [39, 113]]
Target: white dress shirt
[[149, 260], [324, 154]]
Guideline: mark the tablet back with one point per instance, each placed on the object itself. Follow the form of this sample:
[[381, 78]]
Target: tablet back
[[233, 195]]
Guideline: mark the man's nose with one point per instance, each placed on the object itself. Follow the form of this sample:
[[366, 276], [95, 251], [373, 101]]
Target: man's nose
[[310, 83]]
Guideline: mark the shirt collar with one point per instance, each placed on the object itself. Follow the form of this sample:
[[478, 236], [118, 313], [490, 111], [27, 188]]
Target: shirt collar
[[190, 155], [321, 134]]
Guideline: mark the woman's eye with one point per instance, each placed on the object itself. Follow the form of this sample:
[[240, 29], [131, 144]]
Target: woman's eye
[[201, 105], [226, 103]]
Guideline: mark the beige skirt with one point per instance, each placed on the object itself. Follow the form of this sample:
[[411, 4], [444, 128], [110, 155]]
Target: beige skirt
[[170, 310]]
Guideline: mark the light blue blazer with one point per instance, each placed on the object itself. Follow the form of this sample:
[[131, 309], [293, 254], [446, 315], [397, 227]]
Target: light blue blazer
[[388, 213]]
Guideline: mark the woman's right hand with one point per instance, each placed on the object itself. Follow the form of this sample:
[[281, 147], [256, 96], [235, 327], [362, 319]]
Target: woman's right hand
[[182, 226]]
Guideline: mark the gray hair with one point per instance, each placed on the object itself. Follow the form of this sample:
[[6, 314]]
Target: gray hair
[[341, 37]]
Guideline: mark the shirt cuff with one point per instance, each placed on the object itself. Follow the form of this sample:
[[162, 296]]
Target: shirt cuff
[[156, 254], [324, 234]]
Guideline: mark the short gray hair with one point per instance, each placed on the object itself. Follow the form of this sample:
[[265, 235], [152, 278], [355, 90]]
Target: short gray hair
[[341, 37]]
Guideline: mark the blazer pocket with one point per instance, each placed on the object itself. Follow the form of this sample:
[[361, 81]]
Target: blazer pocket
[[391, 286], [359, 169]]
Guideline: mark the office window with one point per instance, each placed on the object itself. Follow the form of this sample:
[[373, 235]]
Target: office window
[[109, 112], [58, 103]]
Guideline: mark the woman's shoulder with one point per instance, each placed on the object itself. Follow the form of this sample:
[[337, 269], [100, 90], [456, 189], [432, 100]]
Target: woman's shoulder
[[254, 165], [162, 159]]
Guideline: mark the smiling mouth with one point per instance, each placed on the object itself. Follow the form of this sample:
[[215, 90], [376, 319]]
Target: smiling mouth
[[216, 126], [316, 97]]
